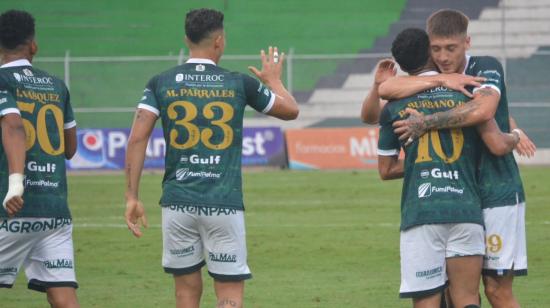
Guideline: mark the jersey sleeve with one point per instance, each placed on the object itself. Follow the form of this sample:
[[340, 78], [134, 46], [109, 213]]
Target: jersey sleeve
[[68, 115], [149, 100], [8, 103], [491, 69], [258, 96], [388, 142]]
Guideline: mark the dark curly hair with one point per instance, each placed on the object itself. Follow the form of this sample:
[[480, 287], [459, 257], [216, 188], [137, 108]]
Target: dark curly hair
[[16, 28], [411, 49], [200, 23]]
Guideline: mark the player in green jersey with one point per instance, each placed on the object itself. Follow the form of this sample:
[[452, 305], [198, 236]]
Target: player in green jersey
[[201, 107], [441, 221], [38, 236], [502, 194]]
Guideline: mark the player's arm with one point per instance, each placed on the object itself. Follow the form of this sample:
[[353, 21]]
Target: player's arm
[[479, 110], [390, 167], [497, 142], [372, 105], [525, 147], [144, 122], [404, 86], [13, 140], [70, 142], [284, 106]]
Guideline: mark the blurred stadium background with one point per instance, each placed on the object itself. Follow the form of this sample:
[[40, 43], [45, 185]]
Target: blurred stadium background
[[106, 51]]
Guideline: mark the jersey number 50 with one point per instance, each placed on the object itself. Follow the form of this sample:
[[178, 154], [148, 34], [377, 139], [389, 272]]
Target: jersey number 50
[[423, 146], [41, 130], [194, 133]]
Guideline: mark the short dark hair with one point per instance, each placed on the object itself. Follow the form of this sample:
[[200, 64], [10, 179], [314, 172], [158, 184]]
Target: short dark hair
[[16, 28], [411, 49], [200, 23], [447, 22]]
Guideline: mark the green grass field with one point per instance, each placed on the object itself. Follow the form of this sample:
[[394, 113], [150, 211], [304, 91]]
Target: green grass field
[[315, 239]]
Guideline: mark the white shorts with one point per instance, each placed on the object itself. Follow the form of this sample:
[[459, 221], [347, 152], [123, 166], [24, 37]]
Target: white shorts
[[506, 240], [192, 234], [43, 247], [424, 250]]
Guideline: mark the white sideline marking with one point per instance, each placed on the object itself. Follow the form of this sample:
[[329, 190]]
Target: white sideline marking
[[297, 226]]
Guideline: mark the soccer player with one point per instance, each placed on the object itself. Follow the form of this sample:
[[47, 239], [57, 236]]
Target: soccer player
[[39, 236], [503, 198], [441, 221], [201, 109]]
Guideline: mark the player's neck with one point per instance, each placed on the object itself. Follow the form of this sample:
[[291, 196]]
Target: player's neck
[[10, 57], [204, 54]]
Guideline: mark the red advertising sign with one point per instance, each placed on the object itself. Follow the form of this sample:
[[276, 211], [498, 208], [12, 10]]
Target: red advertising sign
[[332, 148]]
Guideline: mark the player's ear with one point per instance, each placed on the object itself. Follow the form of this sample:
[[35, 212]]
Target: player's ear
[[33, 47], [219, 42], [187, 41], [467, 42]]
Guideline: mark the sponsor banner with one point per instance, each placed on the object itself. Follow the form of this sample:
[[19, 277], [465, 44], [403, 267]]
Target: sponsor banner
[[105, 149], [332, 148]]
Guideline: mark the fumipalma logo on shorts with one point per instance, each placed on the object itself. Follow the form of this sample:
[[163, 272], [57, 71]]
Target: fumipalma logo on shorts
[[58, 263], [202, 210], [222, 257], [431, 273], [183, 251], [18, 226], [9, 271]]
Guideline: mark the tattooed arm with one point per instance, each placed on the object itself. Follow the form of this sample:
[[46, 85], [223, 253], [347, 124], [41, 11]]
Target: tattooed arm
[[479, 110], [144, 121]]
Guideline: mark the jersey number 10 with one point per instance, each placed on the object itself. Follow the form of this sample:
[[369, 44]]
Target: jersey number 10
[[423, 146]]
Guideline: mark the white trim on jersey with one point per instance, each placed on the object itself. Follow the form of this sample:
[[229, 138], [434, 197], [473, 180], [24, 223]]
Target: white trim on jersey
[[492, 86], [200, 61], [69, 124], [271, 103], [20, 62], [10, 110], [393, 152], [149, 108]]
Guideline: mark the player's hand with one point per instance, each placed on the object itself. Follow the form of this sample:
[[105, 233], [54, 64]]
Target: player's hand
[[135, 216], [272, 66], [385, 69], [525, 146], [459, 82], [410, 128], [13, 205]]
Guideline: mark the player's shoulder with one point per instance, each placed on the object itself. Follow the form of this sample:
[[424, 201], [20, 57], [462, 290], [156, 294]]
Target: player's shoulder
[[484, 62]]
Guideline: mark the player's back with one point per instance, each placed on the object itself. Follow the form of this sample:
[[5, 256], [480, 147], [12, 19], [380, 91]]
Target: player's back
[[500, 182], [44, 104], [201, 107], [440, 182]]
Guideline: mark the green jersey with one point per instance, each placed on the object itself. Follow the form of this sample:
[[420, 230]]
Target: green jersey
[[44, 104], [440, 183], [500, 182], [201, 107]]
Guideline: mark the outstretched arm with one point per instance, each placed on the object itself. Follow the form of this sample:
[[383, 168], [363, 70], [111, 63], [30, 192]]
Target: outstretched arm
[[285, 106], [144, 121], [405, 86], [13, 140], [372, 105]]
